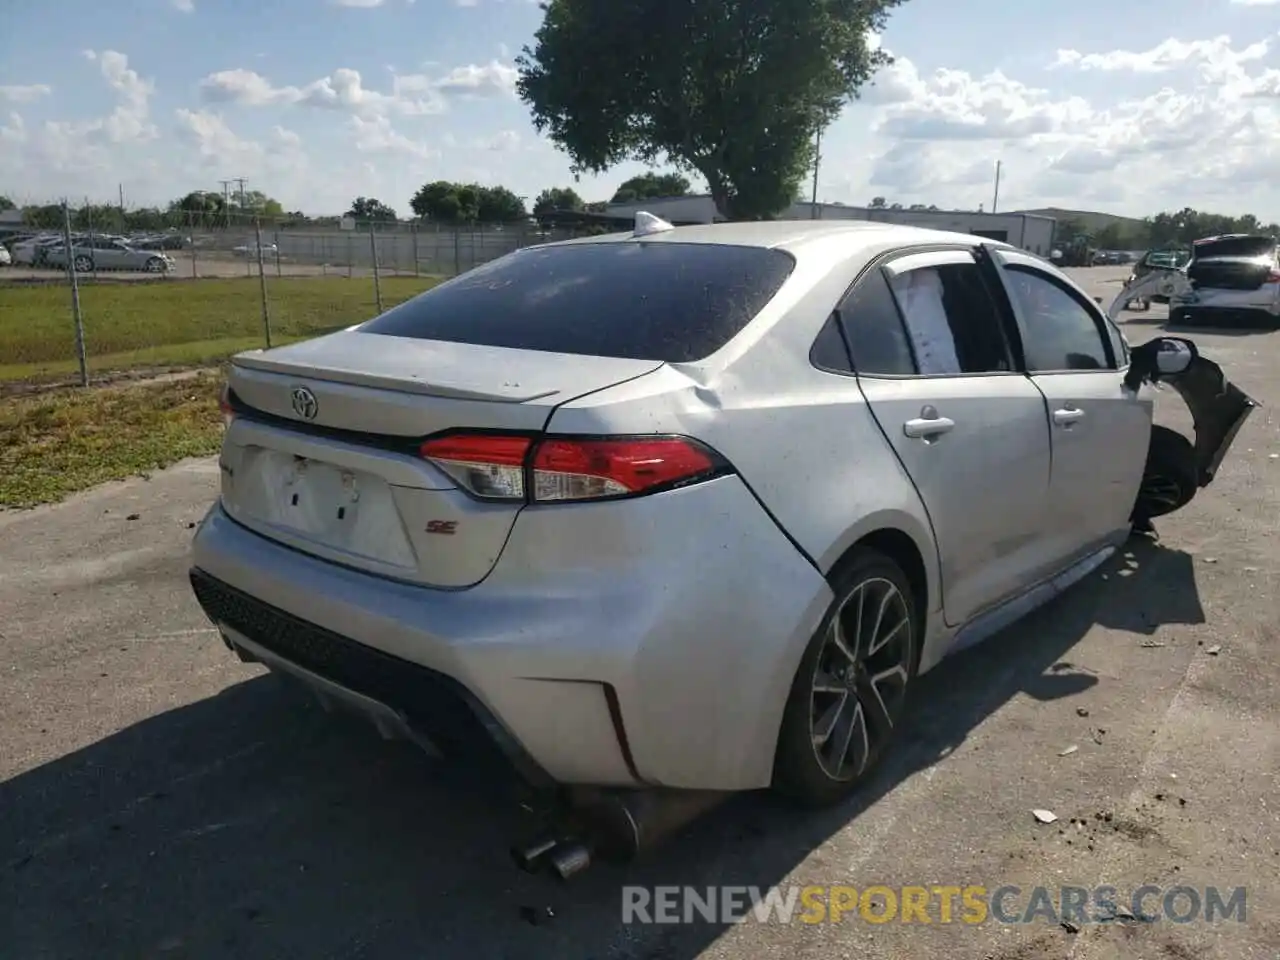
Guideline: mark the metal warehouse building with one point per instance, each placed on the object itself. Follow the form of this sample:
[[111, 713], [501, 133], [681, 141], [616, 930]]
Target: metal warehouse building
[[1028, 231]]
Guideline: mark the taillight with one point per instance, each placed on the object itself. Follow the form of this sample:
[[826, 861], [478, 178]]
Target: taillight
[[1273, 276], [224, 404], [488, 466], [561, 469]]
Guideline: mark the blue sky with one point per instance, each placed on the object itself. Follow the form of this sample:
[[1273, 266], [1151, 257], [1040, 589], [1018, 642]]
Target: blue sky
[[1124, 106]]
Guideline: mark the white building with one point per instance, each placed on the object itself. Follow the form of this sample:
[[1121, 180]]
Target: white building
[[1028, 231]]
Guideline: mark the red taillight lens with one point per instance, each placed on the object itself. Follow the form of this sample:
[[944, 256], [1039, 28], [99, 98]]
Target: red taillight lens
[[565, 469], [1273, 276], [224, 404], [489, 466], [590, 469]]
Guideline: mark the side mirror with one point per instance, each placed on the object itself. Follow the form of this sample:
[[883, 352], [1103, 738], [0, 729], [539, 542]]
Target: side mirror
[[1175, 355], [1158, 359]]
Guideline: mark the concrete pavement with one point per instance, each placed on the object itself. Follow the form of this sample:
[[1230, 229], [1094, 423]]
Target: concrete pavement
[[161, 799]]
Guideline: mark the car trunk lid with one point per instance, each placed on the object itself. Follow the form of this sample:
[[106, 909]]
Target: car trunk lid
[[1233, 263], [321, 452]]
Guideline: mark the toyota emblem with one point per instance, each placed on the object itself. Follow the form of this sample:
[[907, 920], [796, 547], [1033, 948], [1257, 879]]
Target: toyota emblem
[[305, 403]]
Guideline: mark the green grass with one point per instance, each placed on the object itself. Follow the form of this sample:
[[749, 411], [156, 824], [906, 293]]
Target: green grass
[[176, 323], [60, 442]]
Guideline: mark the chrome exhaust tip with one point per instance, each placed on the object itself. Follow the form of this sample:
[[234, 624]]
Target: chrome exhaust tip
[[532, 857], [568, 860]]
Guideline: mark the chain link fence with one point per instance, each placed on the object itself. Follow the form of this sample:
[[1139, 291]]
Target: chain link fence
[[104, 294]]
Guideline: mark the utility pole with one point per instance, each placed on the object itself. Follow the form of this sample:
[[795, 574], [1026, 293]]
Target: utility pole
[[240, 180], [995, 199], [226, 202], [122, 203]]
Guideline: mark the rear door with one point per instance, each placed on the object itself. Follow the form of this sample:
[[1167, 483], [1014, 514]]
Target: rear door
[[935, 366], [1100, 428]]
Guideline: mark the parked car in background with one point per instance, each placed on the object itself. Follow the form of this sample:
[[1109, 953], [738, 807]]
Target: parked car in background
[[1232, 279], [691, 506], [108, 253], [164, 241], [1169, 260], [250, 249], [6, 258], [31, 252]]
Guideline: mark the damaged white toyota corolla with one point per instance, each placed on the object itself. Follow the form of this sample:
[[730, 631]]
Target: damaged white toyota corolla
[[656, 517]]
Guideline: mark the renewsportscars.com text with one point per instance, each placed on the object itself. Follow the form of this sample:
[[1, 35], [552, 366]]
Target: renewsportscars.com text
[[934, 904]]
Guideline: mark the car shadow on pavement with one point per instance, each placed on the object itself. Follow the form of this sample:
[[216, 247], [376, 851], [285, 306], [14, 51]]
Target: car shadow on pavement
[[252, 824]]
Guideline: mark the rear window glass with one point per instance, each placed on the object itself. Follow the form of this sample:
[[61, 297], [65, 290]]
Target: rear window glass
[[673, 302], [1235, 247]]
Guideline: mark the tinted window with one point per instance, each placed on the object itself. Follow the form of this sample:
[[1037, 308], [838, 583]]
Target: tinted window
[[952, 320], [649, 301], [877, 338], [1234, 247], [828, 351], [1058, 331]]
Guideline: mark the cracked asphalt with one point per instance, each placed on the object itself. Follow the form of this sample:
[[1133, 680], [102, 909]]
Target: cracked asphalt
[[160, 799]]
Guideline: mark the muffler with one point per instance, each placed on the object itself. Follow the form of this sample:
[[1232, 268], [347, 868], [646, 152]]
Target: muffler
[[616, 825]]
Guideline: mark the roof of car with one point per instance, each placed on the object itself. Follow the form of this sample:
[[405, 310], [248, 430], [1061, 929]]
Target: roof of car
[[789, 234]]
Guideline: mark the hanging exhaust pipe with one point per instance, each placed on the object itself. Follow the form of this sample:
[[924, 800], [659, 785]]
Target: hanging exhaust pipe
[[626, 823], [616, 825]]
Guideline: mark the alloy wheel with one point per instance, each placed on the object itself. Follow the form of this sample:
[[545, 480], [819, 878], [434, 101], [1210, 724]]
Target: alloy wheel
[[83, 264], [860, 678]]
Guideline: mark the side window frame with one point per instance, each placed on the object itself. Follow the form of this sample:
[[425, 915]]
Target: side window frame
[[1101, 322], [950, 255]]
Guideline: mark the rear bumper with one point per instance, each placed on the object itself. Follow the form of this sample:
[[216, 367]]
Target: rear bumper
[[645, 642], [1202, 314]]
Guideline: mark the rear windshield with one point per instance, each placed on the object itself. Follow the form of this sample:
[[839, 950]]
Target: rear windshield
[[673, 302], [1235, 247]]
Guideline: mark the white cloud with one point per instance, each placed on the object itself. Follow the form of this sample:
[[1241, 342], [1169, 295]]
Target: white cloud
[[25, 94], [357, 4], [1255, 3], [344, 90], [377, 136], [183, 6], [1215, 129]]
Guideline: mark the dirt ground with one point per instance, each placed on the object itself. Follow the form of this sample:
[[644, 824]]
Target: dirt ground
[[161, 799]]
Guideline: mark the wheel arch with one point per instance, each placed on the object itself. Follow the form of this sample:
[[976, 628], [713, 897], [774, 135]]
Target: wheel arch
[[903, 538]]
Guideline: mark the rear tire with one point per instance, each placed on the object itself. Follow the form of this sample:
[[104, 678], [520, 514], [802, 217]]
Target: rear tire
[[849, 693], [1170, 479]]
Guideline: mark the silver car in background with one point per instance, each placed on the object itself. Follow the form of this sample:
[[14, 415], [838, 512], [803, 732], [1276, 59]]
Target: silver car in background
[[1232, 280], [686, 509], [108, 253]]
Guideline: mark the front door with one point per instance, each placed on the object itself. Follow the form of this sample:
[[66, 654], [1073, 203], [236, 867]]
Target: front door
[[935, 367], [1100, 428]]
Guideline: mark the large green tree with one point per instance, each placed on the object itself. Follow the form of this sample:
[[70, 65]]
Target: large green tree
[[369, 209], [735, 90], [557, 198], [651, 185], [457, 203]]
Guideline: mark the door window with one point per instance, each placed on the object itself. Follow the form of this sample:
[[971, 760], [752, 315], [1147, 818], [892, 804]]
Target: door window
[[951, 319], [877, 339], [1059, 332]]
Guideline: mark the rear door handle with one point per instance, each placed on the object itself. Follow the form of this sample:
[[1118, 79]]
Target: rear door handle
[[926, 427], [1067, 416]]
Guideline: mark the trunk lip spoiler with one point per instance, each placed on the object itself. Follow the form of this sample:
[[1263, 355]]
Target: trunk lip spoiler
[[346, 376]]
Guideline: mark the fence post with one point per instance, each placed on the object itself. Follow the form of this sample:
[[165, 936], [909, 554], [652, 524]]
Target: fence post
[[457, 252], [377, 280], [93, 258], [75, 294], [417, 271], [351, 256], [275, 242], [262, 281]]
